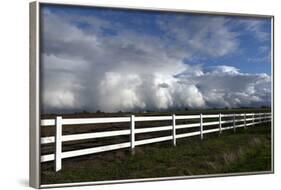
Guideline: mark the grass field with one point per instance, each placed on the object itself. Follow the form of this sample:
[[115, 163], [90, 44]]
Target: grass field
[[244, 151]]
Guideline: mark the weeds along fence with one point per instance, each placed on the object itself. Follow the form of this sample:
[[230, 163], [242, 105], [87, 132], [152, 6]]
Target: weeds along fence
[[233, 121]]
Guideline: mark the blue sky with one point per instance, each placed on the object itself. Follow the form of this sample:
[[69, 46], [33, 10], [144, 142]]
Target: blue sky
[[175, 51], [252, 56]]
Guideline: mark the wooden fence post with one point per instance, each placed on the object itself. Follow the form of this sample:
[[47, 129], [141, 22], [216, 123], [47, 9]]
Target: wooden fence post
[[201, 126], [174, 130], [245, 121], [220, 122], [133, 134], [234, 128], [58, 143]]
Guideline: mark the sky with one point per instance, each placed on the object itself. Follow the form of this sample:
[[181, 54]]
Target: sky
[[126, 60]]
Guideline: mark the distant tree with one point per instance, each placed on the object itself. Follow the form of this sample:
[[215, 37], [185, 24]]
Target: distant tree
[[85, 112]]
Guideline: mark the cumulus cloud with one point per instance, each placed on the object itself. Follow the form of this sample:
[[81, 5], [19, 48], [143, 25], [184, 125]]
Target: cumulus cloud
[[89, 69]]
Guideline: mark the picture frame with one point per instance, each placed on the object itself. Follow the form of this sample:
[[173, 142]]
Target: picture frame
[[36, 104]]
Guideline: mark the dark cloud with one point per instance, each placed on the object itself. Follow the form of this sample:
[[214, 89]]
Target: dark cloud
[[163, 85]]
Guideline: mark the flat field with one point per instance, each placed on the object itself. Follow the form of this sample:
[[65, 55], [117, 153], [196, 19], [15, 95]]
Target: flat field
[[247, 150]]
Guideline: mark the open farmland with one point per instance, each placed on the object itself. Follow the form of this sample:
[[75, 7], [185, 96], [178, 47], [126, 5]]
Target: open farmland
[[229, 153]]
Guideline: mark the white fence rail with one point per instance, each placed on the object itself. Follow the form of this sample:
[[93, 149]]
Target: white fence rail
[[237, 120]]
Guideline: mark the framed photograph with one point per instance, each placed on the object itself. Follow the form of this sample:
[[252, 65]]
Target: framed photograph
[[131, 94]]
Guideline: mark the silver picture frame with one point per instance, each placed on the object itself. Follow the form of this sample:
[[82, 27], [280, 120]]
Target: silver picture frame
[[34, 94]]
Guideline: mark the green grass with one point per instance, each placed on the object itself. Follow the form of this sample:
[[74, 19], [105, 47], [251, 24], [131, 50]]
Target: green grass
[[244, 151]]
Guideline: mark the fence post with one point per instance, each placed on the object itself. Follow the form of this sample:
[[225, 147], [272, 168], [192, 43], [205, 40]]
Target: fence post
[[58, 143], [234, 128], [260, 119], [133, 134], [253, 119], [220, 122], [201, 126], [174, 130], [245, 126]]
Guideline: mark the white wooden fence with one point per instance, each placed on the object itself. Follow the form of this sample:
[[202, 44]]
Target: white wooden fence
[[236, 120]]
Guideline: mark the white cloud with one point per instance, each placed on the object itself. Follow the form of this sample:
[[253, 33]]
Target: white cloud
[[224, 70], [119, 92], [84, 70]]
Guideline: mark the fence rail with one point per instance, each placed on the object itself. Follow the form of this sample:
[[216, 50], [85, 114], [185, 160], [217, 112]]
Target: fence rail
[[236, 121]]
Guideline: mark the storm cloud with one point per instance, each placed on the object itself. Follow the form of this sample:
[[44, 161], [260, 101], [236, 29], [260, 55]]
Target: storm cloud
[[90, 63]]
